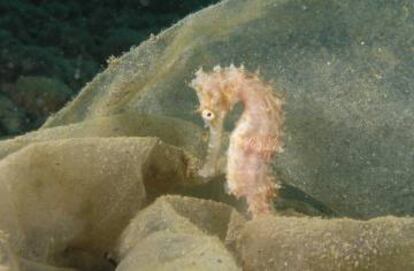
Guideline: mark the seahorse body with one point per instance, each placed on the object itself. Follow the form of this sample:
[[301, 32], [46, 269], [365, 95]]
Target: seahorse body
[[255, 139]]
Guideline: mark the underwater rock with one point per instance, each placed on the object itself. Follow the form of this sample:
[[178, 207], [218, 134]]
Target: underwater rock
[[12, 118], [40, 96], [71, 41], [78, 194], [313, 244], [345, 67], [178, 233]]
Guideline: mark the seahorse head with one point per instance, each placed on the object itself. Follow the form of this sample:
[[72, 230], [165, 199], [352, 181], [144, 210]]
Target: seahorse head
[[216, 93]]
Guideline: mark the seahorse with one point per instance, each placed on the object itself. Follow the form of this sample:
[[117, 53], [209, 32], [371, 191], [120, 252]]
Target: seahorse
[[256, 138]]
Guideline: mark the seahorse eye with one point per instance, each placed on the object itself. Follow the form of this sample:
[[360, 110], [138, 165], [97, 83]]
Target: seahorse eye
[[207, 115]]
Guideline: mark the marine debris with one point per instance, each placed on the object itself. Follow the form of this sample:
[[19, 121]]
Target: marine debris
[[256, 137]]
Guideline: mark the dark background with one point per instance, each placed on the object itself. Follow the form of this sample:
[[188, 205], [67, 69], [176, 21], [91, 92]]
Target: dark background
[[49, 48]]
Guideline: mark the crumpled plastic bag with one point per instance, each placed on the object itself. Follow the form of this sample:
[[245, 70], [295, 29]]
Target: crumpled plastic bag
[[291, 244], [77, 195], [179, 233]]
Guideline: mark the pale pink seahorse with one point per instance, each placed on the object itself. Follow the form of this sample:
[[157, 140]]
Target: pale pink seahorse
[[255, 139]]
